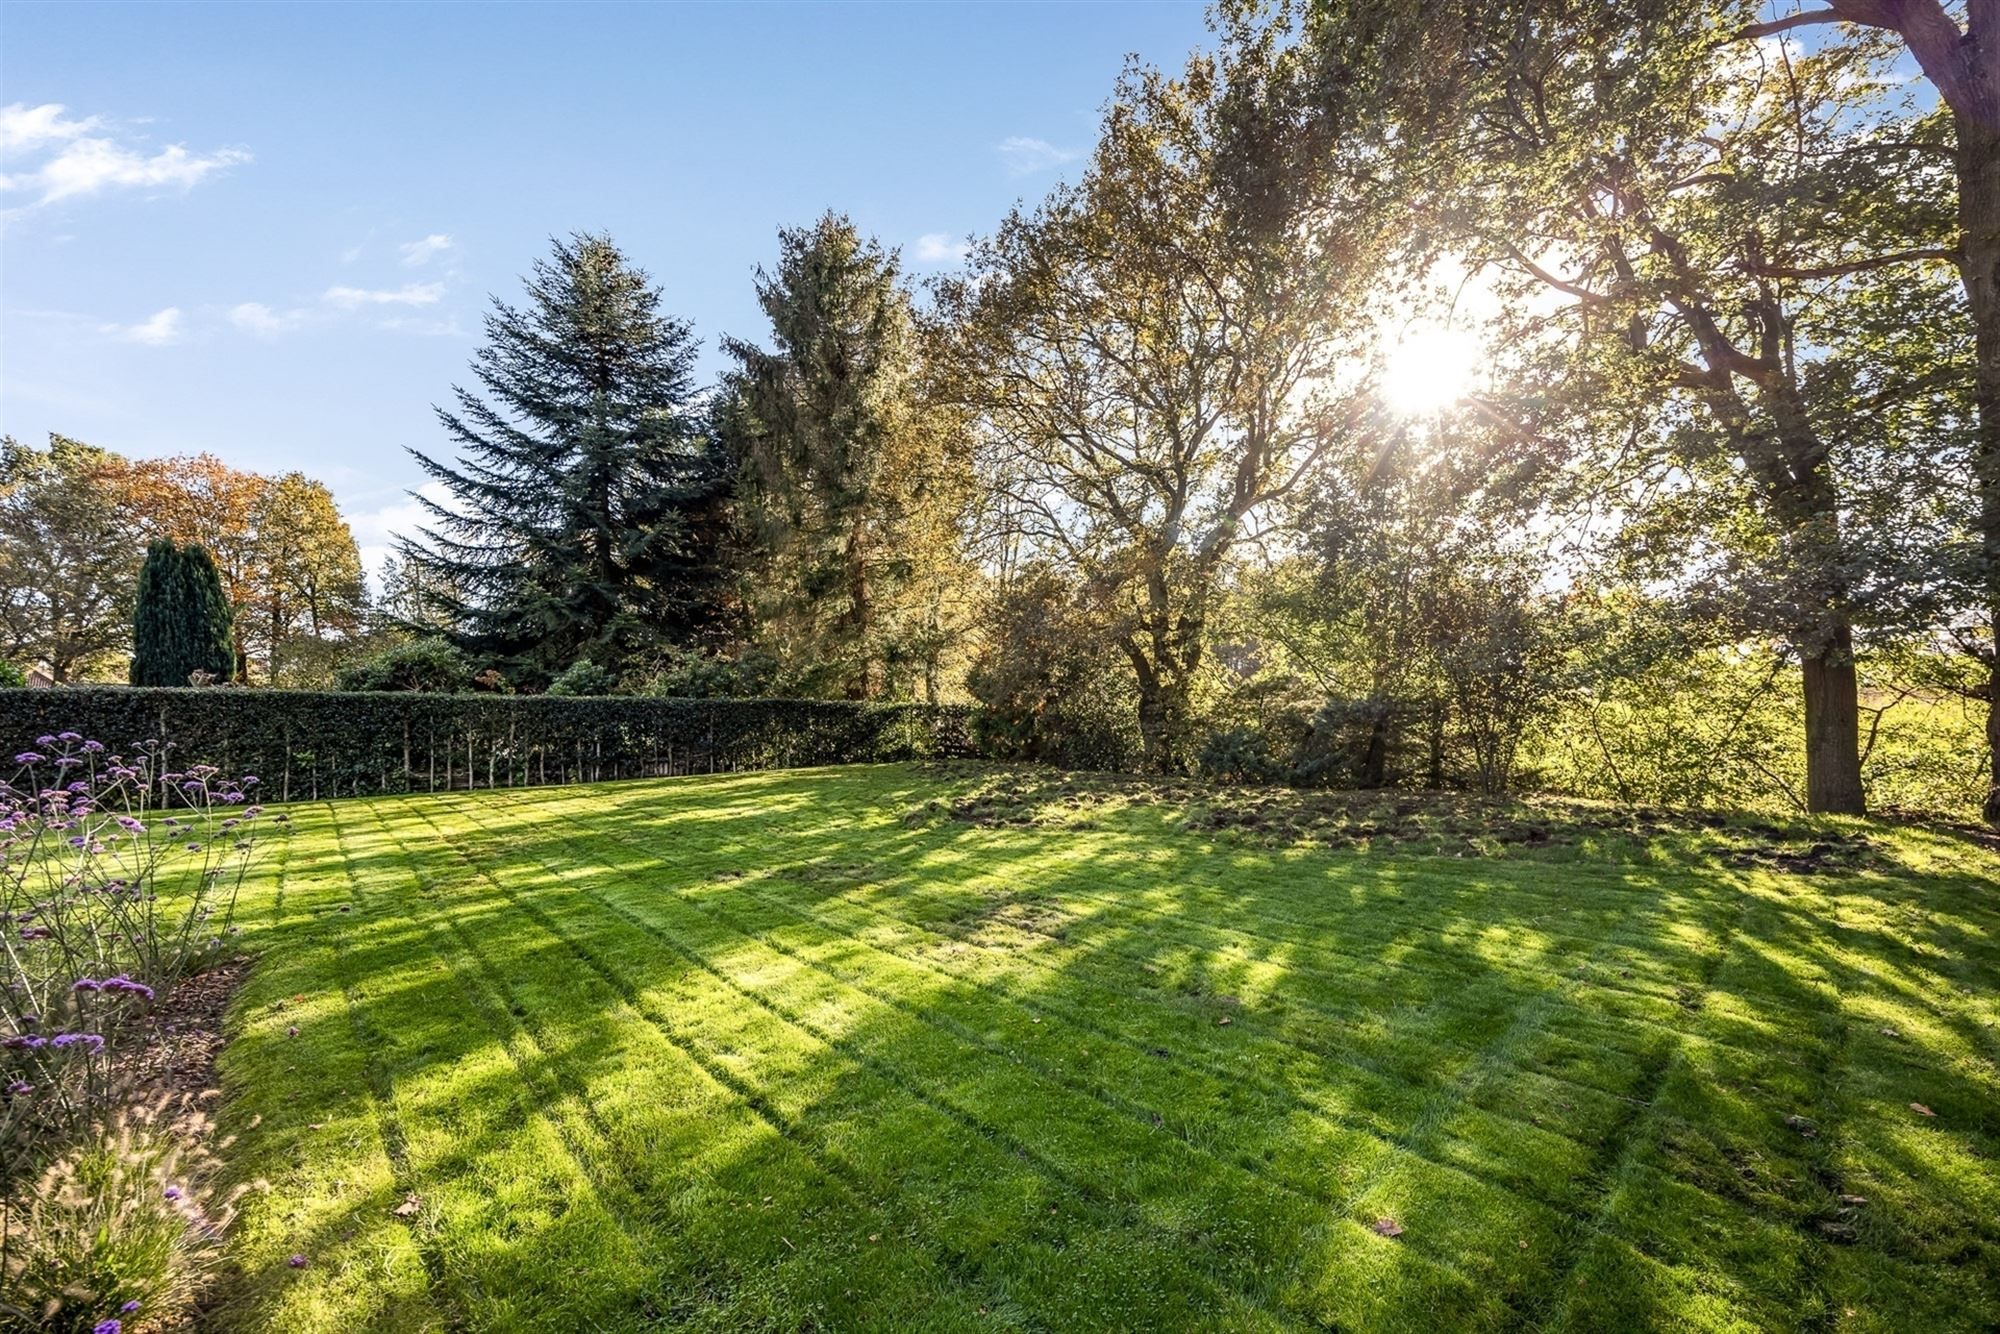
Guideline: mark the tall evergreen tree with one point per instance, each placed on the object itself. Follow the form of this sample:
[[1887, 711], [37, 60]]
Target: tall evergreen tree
[[847, 494], [181, 622], [583, 514]]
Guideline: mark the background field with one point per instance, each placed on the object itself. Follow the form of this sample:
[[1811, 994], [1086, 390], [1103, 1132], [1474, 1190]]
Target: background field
[[915, 1048]]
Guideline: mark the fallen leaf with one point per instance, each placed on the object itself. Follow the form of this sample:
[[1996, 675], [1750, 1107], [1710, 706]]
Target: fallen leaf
[[412, 1204], [1803, 1126], [1890, 1033], [874, 1236], [1222, 1022], [1921, 1110], [1388, 1227]]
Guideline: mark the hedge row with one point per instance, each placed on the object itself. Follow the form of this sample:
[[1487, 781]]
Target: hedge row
[[313, 744]]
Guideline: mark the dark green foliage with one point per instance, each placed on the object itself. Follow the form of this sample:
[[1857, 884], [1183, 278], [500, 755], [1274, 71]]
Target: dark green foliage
[[181, 621], [586, 509], [581, 678], [421, 664], [11, 677], [752, 674], [325, 744]]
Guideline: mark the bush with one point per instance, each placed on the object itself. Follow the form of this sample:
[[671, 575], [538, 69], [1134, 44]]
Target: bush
[[11, 677], [581, 678], [687, 674], [421, 664], [1239, 755], [126, 1227], [314, 744], [1054, 688], [118, 877]]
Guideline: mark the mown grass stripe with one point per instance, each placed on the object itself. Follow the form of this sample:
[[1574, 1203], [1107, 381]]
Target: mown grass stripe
[[588, 884], [575, 993], [1072, 1189], [874, 985]]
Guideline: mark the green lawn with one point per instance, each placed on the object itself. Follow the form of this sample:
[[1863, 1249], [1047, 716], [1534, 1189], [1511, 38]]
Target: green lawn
[[830, 1049]]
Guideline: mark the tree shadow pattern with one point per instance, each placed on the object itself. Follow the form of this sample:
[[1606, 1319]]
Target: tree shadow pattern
[[756, 1052]]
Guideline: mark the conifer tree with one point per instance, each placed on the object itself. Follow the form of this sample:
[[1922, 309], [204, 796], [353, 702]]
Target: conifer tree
[[181, 619], [583, 513], [846, 494]]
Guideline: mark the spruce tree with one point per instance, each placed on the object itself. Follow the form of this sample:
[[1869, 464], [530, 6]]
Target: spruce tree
[[584, 510], [181, 619], [848, 491]]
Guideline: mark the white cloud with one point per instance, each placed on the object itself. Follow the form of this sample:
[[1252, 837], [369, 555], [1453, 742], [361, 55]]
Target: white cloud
[[157, 330], [24, 128], [257, 318], [416, 254], [941, 248], [1025, 156], [410, 294], [375, 531], [68, 158]]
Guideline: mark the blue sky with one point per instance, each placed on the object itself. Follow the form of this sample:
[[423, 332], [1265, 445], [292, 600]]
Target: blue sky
[[269, 231]]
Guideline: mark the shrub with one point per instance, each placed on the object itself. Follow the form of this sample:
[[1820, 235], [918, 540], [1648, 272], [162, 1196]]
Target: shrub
[[310, 744], [687, 674], [11, 677], [125, 1227], [1054, 688], [581, 678], [1239, 755], [117, 878], [421, 664]]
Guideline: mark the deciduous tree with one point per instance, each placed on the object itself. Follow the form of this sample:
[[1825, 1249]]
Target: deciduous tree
[[69, 553]]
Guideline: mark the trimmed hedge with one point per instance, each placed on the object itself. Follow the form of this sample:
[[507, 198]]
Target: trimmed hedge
[[313, 744]]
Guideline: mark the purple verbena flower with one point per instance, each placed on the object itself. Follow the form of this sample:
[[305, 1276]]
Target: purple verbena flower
[[110, 1326], [297, 1262], [173, 1192], [92, 1041], [29, 757]]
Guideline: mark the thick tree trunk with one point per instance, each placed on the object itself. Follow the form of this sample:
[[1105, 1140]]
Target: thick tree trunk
[[1979, 224], [1375, 754], [1833, 733], [1162, 721]]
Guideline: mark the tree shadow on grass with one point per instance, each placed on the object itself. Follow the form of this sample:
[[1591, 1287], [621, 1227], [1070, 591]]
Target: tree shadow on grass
[[1126, 1076]]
